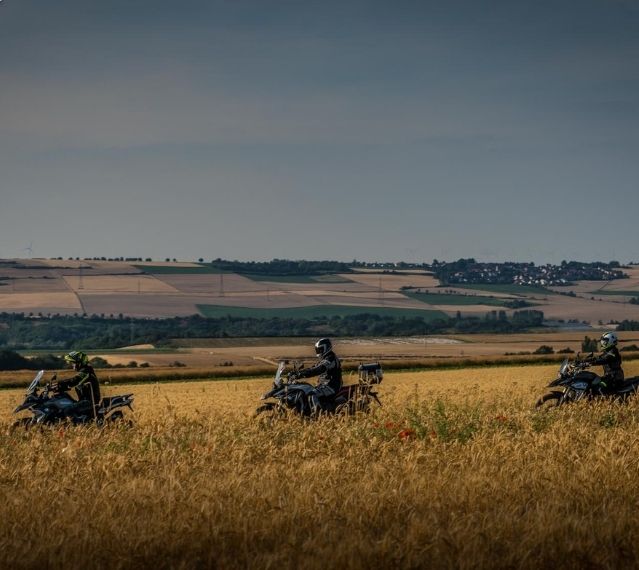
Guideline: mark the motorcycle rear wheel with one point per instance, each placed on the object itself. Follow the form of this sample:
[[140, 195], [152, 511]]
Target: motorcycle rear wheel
[[118, 419]]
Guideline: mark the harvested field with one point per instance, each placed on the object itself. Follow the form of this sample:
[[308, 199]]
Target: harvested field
[[215, 285], [74, 267], [116, 284], [605, 310], [142, 305], [27, 272], [392, 281], [455, 471], [43, 285], [593, 288], [34, 302], [469, 310]]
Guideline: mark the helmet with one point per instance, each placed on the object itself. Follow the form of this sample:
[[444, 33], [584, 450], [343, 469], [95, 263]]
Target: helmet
[[323, 346], [607, 340], [76, 358]]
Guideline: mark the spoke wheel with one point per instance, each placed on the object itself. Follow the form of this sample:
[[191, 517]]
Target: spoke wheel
[[268, 414], [549, 401]]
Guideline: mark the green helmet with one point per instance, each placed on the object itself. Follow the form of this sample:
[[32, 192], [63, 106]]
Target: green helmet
[[76, 358]]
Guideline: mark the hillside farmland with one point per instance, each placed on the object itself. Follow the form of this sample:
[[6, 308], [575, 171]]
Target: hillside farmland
[[168, 289]]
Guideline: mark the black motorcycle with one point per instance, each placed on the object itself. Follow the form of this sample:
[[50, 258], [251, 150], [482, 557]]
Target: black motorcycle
[[289, 395], [50, 406], [576, 383]]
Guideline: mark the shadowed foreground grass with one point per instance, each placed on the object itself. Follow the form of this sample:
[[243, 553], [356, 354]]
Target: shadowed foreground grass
[[456, 471]]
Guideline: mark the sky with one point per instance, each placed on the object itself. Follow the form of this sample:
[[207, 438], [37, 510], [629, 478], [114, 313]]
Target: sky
[[337, 129]]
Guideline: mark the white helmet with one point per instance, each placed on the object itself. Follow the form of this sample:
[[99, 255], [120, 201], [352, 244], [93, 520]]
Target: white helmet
[[607, 340]]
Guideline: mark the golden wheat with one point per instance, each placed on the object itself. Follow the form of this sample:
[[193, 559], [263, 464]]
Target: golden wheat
[[455, 471]]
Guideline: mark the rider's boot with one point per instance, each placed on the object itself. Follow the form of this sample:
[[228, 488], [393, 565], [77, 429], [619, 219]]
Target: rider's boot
[[316, 407]]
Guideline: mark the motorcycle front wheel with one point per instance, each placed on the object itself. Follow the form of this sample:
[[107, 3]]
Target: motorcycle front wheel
[[549, 401], [268, 414], [21, 424]]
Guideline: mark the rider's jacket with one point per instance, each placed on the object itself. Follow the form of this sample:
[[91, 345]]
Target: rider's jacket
[[611, 361], [85, 383], [329, 369]]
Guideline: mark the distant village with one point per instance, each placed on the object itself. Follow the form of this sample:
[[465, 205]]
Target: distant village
[[471, 272]]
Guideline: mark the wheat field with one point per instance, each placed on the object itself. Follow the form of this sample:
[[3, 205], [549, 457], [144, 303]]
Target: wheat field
[[456, 470]]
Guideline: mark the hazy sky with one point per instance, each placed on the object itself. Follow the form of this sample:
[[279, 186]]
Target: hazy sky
[[333, 129]]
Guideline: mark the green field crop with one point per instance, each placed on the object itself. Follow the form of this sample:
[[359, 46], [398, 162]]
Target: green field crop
[[456, 299], [177, 270], [521, 290], [325, 278], [613, 292], [315, 311]]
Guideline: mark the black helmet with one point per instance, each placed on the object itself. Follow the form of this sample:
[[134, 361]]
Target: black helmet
[[323, 346]]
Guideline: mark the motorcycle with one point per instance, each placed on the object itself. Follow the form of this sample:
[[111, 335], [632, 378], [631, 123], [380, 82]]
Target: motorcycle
[[575, 383], [50, 406], [291, 395]]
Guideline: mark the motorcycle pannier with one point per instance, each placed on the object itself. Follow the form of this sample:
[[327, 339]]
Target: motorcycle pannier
[[370, 373]]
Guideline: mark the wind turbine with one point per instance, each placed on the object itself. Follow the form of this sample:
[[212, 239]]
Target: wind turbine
[[29, 248]]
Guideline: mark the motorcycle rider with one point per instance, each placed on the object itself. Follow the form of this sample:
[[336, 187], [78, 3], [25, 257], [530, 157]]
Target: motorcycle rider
[[329, 370], [85, 382], [610, 359]]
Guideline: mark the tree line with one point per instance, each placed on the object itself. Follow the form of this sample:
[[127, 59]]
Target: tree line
[[281, 267], [18, 331]]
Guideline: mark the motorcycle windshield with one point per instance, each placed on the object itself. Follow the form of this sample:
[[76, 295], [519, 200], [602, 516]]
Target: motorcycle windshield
[[278, 374], [563, 369], [35, 382]]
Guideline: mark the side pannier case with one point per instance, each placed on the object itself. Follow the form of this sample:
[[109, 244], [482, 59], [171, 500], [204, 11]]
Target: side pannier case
[[370, 373]]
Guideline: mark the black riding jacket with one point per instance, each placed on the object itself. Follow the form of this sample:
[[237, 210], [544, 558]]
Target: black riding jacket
[[329, 369], [611, 361], [86, 384]]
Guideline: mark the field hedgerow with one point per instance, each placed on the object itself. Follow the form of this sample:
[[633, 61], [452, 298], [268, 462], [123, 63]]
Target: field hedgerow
[[456, 470]]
